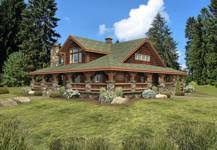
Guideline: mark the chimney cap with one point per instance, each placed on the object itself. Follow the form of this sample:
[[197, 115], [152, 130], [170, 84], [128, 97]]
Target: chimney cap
[[108, 40]]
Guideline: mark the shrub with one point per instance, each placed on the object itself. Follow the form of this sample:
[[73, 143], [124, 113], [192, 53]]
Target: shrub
[[155, 88], [80, 143], [25, 91], [61, 91], [55, 95], [178, 91], [38, 93], [11, 137], [71, 94], [4, 90], [106, 96], [15, 70], [189, 89], [119, 92], [193, 135], [149, 94]]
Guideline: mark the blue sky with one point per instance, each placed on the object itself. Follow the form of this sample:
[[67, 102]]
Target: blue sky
[[84, 18]]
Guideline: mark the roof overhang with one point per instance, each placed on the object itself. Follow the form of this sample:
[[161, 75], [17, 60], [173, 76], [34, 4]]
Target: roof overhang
[[181, 73]]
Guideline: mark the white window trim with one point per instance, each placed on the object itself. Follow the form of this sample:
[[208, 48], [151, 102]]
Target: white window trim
[[142, 57]]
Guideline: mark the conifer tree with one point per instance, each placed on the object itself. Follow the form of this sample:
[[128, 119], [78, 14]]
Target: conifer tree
[[10, 19], [201, 48], [38, 32], [161, 37]]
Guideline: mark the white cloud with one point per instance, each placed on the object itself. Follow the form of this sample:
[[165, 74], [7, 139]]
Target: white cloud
[[102, 29], [138, 22]]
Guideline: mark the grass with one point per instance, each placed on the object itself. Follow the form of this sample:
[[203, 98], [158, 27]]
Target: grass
[[46, 118]]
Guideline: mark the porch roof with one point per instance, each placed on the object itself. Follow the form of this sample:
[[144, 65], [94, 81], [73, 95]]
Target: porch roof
[[107, 63]]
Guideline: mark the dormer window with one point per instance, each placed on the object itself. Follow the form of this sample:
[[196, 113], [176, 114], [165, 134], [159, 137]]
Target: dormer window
[[142, 57], [75, 55]]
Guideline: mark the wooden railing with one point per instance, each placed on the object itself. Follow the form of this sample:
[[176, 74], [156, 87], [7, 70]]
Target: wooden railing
[[97, 86], [78, 86], [124, 86], [141, 86]]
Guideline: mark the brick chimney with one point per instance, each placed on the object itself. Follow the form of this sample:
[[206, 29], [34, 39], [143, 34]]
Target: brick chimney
[[108, 40]]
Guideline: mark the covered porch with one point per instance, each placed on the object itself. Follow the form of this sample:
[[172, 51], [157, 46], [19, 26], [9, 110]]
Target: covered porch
[[92, 82]]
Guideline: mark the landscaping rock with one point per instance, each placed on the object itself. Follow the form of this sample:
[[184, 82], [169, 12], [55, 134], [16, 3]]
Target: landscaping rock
[[119, 100], [7, 103], [31, 92], [22, 99], [148, 94], [161, 96]]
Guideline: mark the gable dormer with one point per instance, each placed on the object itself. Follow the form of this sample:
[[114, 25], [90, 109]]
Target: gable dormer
[[74, 51], [145, 54]]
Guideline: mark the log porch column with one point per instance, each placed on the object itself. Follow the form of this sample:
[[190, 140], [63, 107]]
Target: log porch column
[[110, 82], [88, 81], [32, 82], [55, 81], [69, 81], [149, 80], [43, 83], [132, 81], [162, 80]]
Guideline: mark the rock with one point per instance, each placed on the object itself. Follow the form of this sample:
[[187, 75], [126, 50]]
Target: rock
[[119, 100], [8, 103], [148, 94], [31, 92], [22, 99], [161, 96]]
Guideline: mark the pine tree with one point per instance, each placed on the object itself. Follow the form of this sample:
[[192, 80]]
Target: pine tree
[[10, 19], [161, 37], [201, 48], [38, 32]]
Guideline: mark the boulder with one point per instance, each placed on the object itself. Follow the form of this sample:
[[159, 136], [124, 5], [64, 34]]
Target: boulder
[[22, 99], [31, 92], [119, 100], [161, 96], [7, 103], [148, 94]]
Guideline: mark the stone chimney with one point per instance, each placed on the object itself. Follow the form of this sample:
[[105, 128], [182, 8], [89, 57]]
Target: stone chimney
[[54, 55], [108, 40]]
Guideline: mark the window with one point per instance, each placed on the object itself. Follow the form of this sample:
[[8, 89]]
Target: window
[[75, 56], [99, 78], [142, 57], [61, 60]]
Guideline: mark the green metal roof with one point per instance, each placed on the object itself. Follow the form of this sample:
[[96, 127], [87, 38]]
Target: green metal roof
[[116, 53]]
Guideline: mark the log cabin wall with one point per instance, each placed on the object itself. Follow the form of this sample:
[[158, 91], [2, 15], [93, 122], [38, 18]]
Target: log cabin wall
[[145, 50], [90, 56]]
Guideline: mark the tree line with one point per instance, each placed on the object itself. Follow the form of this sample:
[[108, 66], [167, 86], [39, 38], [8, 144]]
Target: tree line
[[27, 33], [201, 47]]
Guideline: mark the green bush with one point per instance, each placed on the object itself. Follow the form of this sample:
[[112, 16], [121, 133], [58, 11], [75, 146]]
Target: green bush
[[178, 91], [11, 137], [119, 92], [106, 96], [4, 90], [193, 135], [38, 93], [15, 70], [25, 91], [80, 143], [55, 95]]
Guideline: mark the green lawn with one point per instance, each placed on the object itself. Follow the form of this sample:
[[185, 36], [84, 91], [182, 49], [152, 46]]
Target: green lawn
[[46, 118]]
